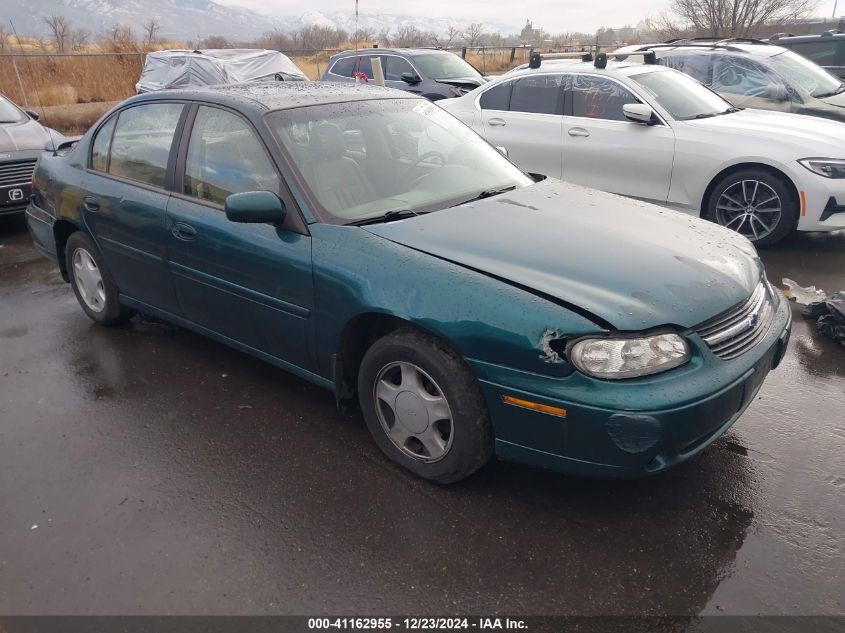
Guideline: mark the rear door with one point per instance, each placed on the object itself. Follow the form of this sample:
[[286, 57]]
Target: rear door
[[250, 283], [602, 149], [525, 117], [126, 198]]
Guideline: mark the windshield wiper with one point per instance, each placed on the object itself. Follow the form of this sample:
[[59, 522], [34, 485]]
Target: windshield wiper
[[832, 93], [390, 216], [707, 115], [488, 193]]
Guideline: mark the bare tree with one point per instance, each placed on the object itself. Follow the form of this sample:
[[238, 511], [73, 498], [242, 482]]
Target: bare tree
[[730, 18], [4, 36], [151, 28], [60, 29], [214, 41], [118, 39], [473, 34], [78, 39], [452, 35], [363, 34], [410, 37], [275, 40]]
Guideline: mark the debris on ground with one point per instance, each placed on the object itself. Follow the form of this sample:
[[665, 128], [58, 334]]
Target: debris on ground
[[802, 295], [831, 316]]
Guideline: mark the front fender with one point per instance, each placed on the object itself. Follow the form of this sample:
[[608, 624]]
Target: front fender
[[483, 319]]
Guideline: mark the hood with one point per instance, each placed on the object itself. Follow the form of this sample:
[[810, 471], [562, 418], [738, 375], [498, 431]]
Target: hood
[[27, 136], [803, 132], [631, 264], [465, 81], [834, 100]]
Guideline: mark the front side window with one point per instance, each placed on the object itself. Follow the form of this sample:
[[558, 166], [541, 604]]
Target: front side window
[[681, 95], [394, 67], [743, 76], [9, 112], [361, 159], [225, 157], [539, 94], [599, 98], [141, 143], [101, 145]]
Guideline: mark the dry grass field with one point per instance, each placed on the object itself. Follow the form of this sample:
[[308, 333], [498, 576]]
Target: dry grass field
[[55, 86]]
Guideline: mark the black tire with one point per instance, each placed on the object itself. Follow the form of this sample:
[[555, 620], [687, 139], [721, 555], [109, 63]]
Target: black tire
[[471, 434], [112, 312], [789, 206]]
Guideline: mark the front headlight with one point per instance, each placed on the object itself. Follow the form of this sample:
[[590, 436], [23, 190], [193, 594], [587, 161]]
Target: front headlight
[[827, 167], [619, 358]]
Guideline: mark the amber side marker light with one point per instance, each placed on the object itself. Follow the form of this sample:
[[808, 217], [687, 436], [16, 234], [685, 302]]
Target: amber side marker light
[[535, 406]]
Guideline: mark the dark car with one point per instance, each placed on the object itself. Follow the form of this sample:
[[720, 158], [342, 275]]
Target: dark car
[[755, 74], [430, 73], [22, 140], [827, 49], [367, 241]]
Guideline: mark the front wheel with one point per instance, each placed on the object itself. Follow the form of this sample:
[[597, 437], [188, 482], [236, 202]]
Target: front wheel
[[754, 203], [92, 284], [423, 407]]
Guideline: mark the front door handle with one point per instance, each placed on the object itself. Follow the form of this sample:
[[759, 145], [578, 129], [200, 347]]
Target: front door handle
[[578, 131], [184, 232], [497, 122], [91, 204]]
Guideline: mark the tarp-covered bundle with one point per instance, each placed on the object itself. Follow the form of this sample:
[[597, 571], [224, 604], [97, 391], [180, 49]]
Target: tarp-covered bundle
[[184, 68]]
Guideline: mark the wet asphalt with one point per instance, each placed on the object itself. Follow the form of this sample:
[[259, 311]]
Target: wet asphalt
[[148, 470]]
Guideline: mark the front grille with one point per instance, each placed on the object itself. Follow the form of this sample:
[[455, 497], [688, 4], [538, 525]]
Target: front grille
[[16, 173], [740, 328]]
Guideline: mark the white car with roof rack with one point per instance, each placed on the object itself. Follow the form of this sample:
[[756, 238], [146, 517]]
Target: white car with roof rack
[[651, 132]]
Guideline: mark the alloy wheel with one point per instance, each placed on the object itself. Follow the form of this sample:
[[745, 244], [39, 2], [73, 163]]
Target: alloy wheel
[[749, 207], [89, 281], [413, 411]]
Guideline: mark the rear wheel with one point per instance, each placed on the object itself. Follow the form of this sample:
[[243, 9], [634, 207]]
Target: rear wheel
[[423, 407], [754, 203], [92, 284]]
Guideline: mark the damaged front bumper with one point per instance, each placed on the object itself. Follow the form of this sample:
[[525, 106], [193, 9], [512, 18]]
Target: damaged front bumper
[[628, 428]]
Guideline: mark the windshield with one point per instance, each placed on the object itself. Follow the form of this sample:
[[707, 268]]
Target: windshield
[[444, 66], [9, 112], [803, 73], [363, 159], [681, 95]]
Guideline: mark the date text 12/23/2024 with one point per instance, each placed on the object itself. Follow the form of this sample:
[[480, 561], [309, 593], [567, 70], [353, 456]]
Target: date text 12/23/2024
[[416, 624]]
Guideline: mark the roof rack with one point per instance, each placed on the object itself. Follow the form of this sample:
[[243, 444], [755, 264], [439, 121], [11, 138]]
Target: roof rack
[[649, 57], [777, 36]]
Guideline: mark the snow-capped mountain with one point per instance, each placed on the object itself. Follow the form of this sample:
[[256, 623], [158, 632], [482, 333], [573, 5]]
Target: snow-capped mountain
[[194, 19]]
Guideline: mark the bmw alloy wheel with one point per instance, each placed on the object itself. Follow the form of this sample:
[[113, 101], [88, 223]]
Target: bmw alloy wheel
[[749, 207]]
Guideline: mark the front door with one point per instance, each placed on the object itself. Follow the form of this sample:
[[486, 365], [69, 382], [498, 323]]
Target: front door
[[524, 117], [126, 198], [603, 150], [250, 283]]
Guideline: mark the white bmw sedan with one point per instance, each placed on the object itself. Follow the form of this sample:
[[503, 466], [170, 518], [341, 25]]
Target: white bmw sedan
[[654, 133]]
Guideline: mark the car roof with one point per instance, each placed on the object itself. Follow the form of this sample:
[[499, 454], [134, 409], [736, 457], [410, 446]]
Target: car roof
[[613, 67], [788, 37], [395, 51], [278, 95]]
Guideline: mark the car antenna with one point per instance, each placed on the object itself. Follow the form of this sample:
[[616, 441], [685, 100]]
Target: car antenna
[[37, 92]]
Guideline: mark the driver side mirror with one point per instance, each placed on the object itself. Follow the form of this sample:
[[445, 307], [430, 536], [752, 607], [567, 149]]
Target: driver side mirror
[[32, 115], [639, 113], [410, 78], [255, 207]]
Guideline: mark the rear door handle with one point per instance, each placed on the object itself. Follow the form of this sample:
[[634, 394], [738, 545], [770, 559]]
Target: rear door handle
[[91, 204], [497, 122], [578, 131], [184, 232]]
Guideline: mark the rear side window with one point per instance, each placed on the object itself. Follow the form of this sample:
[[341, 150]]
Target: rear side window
[[343, 67], [537, 95], [225, 157], [599, 98], [101, 145], [141, 144], [497, 97]]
